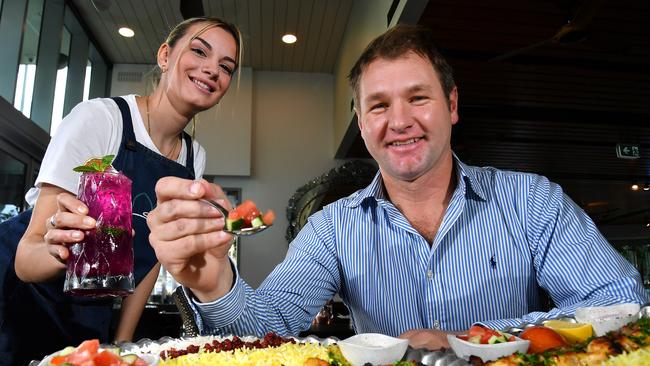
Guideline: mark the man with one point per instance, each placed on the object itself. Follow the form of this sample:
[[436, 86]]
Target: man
[[429, 247]]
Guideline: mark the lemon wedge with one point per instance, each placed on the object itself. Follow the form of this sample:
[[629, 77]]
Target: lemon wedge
[[572, 332]]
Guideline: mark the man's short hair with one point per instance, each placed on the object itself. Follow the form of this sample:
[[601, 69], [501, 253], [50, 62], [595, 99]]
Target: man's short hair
[[395, 43]]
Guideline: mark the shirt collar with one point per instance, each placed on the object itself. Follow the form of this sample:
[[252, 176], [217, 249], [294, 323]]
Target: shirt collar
[[468, 180], [466, 175]]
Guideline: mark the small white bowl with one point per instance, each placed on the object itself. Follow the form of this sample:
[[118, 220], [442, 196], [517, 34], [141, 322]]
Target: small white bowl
[[486, 352], [607, 318], [374, 348]]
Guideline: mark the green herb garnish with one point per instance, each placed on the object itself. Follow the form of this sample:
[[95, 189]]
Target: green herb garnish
[[96, 165], [112, 231]]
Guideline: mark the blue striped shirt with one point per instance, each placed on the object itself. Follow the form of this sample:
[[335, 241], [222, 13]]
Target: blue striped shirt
[[503, 235]]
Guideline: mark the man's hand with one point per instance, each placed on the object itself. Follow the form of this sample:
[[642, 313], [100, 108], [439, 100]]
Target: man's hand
[[187, 236], [431, 339]]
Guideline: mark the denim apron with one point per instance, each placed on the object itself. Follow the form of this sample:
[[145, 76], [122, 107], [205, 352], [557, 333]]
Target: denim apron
[[38, 319]]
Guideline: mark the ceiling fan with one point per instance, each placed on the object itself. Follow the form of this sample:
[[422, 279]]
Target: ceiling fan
[[574, 31]]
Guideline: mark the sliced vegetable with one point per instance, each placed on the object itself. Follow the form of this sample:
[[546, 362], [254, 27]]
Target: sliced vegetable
[[248, 211], [247, 215], [257, 222], [268, 217], [88, 353], [234, 221], [107, 358], [91, 346], [482, 335]]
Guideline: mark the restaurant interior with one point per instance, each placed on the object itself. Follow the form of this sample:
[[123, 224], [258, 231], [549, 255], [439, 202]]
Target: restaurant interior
[[559, 88]]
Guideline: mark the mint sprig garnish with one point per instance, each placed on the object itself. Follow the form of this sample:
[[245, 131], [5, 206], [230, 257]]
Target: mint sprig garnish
[[96, 165], [112, 231]]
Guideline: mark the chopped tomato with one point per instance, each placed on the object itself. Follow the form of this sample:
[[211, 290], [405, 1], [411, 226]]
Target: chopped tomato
[[57, 360], [246, 207], [107, 358], [234, 215], [79, 357], [91, 346], [463, 337], [268, 217], [484, 332], [248, 219], [248, 211], [89, 354], [140, 362]]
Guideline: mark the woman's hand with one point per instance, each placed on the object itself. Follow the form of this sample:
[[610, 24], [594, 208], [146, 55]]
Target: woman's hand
[[67, 225], [188, 238], [58, 220]]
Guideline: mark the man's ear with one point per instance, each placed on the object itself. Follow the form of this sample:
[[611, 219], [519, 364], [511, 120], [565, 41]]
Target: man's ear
[[356, 112], [453, 105]]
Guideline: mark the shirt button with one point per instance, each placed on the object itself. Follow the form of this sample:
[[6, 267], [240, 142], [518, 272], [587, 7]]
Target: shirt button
[[436, 324], [429, 274]]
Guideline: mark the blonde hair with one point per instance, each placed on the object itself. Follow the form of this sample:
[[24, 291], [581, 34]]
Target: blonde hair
[[180, 30]]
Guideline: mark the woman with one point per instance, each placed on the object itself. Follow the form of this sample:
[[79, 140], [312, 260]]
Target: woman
[[146, 134]]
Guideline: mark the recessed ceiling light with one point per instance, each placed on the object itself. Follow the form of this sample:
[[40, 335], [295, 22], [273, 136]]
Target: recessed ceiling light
[[635, 187], [289, 38], [126, 32]]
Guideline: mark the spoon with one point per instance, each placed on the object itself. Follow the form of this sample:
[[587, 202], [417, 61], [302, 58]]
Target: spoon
[[240, 232]]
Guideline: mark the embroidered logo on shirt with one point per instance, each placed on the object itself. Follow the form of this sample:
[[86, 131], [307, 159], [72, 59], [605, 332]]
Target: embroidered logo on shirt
[[493, 262]]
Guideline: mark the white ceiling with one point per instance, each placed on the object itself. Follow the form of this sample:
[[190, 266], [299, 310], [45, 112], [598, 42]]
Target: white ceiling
[[318, 24]]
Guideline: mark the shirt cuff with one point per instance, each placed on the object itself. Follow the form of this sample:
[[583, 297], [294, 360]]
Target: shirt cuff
[[222, 311]]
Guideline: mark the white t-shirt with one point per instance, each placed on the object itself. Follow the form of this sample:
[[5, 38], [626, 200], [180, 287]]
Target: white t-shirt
[[94, 129]]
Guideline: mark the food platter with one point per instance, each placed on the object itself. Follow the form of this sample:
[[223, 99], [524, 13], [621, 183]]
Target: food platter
[[425, 357], [150, 349]]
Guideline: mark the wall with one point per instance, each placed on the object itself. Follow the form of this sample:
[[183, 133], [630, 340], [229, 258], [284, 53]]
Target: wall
[[225, 130], [138, 84], [367, 20], [292, 143]]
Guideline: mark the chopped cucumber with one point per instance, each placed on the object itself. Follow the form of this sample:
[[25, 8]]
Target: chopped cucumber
[[234, 224], [494, 339], [257, 222], [113, 350], [66, 351], [474, 339], [130, 359]]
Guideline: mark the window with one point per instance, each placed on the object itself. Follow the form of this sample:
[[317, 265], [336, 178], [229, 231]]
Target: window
[[12, 185], [28, 56], [61, 80], [87, 77]]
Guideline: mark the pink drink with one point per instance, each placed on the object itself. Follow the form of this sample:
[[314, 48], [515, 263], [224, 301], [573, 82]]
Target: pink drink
[[102, 263]]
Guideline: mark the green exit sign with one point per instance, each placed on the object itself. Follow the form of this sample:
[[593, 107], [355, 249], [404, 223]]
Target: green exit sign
[[628, 151]]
